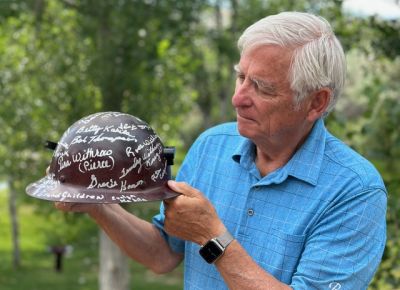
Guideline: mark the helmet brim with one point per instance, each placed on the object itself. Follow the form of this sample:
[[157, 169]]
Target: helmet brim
[[48, 188]]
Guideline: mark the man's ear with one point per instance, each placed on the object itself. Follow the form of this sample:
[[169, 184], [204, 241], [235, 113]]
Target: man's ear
[[319, 101]]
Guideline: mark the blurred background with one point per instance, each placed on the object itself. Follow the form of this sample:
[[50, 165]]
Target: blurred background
[[170, 63]]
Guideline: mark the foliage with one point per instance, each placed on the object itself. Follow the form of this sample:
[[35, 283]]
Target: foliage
[[367, 119], [80, 264], [42, 80], [170, 63]]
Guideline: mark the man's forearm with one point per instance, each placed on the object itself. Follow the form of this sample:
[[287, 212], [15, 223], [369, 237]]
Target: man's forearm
[[192, 217], [138, 238], [241, 272]]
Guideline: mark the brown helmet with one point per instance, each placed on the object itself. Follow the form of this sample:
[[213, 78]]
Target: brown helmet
[[107, 157]]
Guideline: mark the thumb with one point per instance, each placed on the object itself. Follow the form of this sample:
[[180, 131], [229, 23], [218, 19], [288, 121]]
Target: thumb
[[184, 188]]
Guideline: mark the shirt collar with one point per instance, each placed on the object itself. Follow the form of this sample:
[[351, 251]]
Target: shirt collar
[[305, 163]]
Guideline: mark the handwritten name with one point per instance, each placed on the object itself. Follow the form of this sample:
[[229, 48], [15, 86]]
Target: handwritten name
[[91, 129], [125, 186], [159, 173], [78, 140], [101, 137], [94, 183], [137, 162], [90, 153], [61, 153], [129, 152], [146, 142], [63, 163], [90, 165]]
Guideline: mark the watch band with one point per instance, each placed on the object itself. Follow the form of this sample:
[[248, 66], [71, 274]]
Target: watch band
[[224, 239]]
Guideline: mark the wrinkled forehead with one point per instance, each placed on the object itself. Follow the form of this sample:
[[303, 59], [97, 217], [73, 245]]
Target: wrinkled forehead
[[266, 59]]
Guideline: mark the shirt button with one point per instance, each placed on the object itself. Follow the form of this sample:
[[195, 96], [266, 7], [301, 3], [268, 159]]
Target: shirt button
[[250, 212]]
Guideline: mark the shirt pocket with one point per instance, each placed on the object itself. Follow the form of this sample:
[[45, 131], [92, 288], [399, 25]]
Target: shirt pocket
[[282, 254]]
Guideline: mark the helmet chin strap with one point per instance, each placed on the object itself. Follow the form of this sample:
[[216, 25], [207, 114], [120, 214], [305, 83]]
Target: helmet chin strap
[[50, 145], [169, 154]]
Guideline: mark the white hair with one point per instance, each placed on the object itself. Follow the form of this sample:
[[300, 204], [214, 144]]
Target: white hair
[[318, 59]]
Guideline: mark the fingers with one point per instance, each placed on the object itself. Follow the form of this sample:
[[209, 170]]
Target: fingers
[[183, 188], [190, 216], [63, 206]]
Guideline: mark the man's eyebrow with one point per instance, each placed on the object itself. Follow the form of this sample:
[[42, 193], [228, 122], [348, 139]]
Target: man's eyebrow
[[236, 68], [264, 84]]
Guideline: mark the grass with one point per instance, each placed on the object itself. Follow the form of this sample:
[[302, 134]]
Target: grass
[[43, 226]]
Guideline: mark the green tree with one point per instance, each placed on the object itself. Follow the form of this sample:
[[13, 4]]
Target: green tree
[[64, 60], [170, 63], [367, 119], [42, 81]]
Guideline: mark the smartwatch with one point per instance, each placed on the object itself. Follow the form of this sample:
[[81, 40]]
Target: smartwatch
[[215, 247]]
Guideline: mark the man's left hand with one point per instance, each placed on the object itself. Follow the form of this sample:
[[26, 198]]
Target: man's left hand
[[190, 216]]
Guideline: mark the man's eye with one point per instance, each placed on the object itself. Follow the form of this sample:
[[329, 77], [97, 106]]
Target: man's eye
[[240, 77], [265, 91]]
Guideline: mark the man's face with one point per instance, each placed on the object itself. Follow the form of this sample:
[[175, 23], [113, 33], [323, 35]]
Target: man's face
[[264, 102]]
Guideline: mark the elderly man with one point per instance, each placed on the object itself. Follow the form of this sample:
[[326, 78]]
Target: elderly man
[[272, 201]]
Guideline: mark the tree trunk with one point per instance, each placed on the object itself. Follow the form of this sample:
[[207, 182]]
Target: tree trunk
[[114, 271], [16, 258]]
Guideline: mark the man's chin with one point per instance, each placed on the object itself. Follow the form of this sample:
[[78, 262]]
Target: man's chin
[[244, 130]]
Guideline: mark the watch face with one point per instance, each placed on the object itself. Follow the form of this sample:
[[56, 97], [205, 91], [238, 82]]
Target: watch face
[[211, 251]]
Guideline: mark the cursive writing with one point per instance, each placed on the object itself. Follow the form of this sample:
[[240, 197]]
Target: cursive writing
[[90, 165], [101, 137], [111, 183], [136, 162], [90, 153], [127, 198], [125, 186]]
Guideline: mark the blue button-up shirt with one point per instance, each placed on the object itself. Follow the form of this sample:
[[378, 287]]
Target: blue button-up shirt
[[316, 223]]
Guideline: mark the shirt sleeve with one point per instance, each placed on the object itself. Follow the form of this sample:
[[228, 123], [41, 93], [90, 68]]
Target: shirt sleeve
[[344, 249], [177, 245]]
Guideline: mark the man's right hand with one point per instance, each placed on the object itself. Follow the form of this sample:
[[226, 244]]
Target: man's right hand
[[89, 208]]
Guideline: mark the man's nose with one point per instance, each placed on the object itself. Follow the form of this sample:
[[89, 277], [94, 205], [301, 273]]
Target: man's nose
[[242, 94]]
